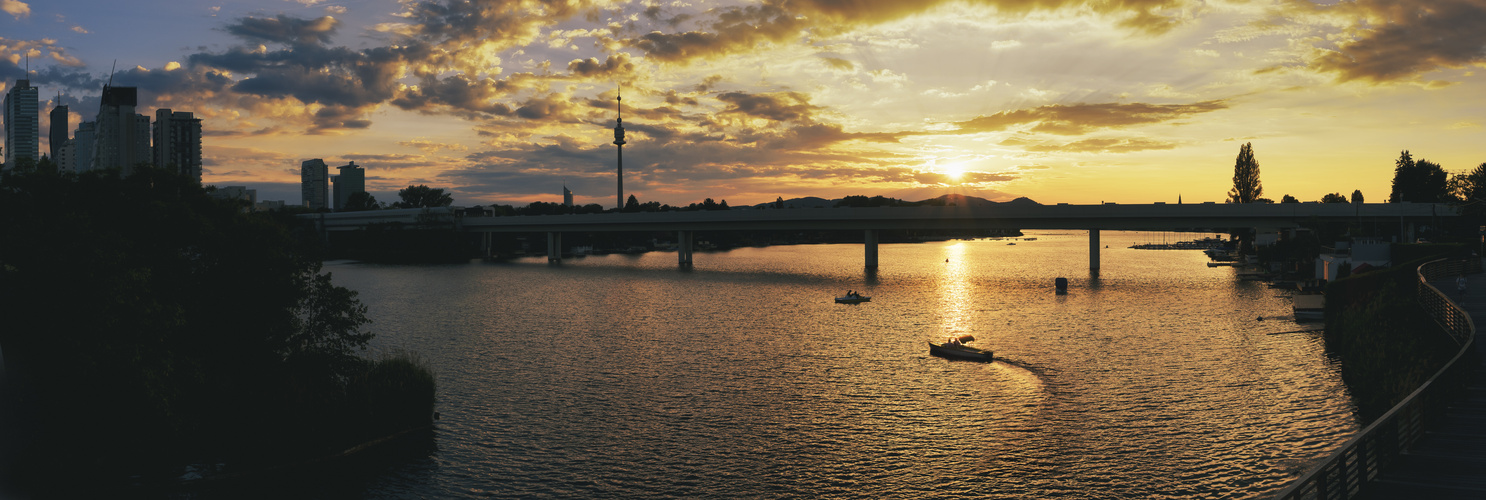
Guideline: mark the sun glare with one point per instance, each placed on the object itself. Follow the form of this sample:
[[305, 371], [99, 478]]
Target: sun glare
[[953, 171]]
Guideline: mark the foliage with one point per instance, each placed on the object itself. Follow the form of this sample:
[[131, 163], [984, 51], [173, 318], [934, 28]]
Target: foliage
[[1246, 185], [632, 204], [187, 325], [1469, 189], [858, 201], [1288, 199], [360, 201], [422, 196], [779, 202], [1420, 181], [707, 204], [1357, 196], [1334, 198], [1387, 343]]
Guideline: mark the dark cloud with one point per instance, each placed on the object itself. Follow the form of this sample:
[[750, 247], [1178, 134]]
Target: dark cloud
[[1094, 145], [733, 29], [613, 67], [1082, 118], [285, 29], [1398, 40], [779, 106]]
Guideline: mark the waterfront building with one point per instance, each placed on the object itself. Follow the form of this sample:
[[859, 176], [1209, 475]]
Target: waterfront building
[[22, 123], [314, 183], [352, 179], [57, 136], [121, 137], [177, 137], [82, 147]]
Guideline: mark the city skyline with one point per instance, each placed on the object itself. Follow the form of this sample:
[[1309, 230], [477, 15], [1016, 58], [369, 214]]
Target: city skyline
[[1129, 101]]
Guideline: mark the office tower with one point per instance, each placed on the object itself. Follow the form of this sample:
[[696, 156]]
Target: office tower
[[58, 133], [22, 123], [121, 138], [66, 157], [177, 138], [351, 180], [314, 183], [82, 146], [567, 197]]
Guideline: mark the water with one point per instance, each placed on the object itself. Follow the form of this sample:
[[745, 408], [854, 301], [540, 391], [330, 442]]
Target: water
[[624, 376]]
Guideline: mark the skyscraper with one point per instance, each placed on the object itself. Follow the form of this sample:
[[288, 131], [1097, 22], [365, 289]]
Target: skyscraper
[[22, 123], [314, 183], [178, 142], [58, 133], [82, 146], [121, 138], [351, 180], [567, 197]]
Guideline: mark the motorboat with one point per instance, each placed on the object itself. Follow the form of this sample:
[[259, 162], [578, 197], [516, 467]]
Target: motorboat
[[853, 299], [954, 347]]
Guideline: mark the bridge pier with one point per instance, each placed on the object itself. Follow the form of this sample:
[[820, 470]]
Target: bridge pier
[[871, 248], [485, 244], [554, 247], [683, 247], [1093, 249]]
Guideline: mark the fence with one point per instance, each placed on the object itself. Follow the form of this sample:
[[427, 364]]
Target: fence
[[1341, 475]]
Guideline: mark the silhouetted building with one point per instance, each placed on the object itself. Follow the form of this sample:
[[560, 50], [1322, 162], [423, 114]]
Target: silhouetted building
[[567, 197], [121, 137], [351, 180], [66, 156], [177, 136], [314, 183], [247, 197], [82, 146], [22, 123], [57, 136]]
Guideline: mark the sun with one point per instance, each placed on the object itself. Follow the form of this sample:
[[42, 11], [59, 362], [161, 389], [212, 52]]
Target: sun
[[954, 171]]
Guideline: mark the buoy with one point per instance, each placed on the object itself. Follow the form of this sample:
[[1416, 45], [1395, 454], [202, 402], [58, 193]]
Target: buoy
[[1061, 284], [435, 415]]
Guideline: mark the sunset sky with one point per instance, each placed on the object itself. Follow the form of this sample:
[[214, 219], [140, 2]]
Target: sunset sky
[[1130, 101]]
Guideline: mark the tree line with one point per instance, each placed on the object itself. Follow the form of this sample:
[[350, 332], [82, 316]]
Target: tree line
[[1414, 181]]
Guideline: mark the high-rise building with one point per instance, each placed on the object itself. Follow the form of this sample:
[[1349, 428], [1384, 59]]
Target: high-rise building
[[567, 197], [66, 157], [121, 137], [178, 142], [58, 133], [314, 183], [22, 123], [82, 146], [351, 180]]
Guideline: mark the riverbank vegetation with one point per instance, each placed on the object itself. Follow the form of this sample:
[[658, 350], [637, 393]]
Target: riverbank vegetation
[[147, 325], [1387, 342]]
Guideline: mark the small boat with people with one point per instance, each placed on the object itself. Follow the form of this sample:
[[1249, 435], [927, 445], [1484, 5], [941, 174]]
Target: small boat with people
[[852, 297], [954, 347]]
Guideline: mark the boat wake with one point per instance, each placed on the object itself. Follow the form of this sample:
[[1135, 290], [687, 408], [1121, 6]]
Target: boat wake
[[1038, 374]]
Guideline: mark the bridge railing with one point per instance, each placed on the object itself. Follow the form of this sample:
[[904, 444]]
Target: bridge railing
[[1359, 460]]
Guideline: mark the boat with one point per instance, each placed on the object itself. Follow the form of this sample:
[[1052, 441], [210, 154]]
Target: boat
[[853, 299], [1309, 306], [954, 347]]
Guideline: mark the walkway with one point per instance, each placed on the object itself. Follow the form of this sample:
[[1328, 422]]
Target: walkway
[[1450, 460]]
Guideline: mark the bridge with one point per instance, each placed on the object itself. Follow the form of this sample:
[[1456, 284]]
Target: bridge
[[1211, 217]]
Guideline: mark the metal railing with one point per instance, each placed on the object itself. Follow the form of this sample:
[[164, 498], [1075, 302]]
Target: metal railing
[[1342, 475]]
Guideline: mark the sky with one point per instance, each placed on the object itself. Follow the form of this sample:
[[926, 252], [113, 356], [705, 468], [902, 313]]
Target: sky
[[1060, 101]]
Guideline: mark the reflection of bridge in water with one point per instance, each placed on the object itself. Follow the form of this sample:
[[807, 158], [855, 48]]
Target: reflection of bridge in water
[[1208, 217]]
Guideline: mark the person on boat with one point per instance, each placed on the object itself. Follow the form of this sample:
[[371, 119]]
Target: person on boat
[[953, 341]]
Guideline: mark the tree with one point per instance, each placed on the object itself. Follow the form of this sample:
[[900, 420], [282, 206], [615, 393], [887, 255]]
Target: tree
[[361, 201], [1420, 181], [779, 202], [632, 204], [422, 196], [1469, 190], [1357, 196], [1334, 198], [1246, 185], [1288, 199]]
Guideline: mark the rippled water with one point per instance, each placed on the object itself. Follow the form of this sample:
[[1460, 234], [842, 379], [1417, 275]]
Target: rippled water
[[624, 376]]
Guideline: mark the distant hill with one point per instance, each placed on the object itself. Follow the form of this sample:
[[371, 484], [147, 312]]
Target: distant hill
[[958, 200]]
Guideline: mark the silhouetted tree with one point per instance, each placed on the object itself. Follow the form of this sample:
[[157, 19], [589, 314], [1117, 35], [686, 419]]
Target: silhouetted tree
[[1246, 185], [422, 196], [1288, 199], [360, 201], [1419, 181], [632, 204], [779, 202], [1469, 190], [1334, 198], [1357, 196]]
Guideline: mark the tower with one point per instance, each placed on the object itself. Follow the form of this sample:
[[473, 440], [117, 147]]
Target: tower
[[121, 138], [177, 137], [619, 141], [57, 136], [351, 180], [22, 123], [567, 197], [314, 183]]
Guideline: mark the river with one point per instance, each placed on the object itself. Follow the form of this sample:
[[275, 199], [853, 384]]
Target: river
[[627, 376]]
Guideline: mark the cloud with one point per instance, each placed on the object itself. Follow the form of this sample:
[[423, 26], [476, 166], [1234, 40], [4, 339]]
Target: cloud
[[15, 8], [1094, 145], [615, 66], [1400, 40], [839, 64], [285, 29], [779, 106], [1082, 118]]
